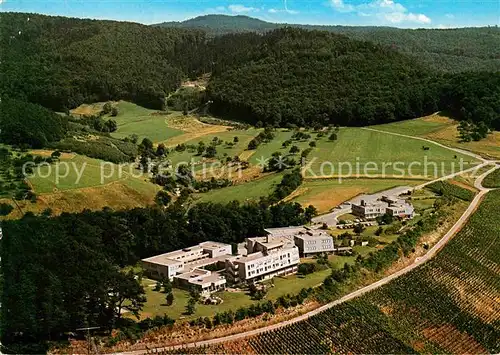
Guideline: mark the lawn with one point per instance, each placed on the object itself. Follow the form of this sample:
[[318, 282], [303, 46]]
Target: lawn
[[156, 304], [250, 191], [360, 152], [134, 119], [325, 194], [294, 283]]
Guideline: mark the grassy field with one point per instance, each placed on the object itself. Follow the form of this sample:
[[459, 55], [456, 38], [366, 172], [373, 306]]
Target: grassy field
[[155, 304], [418, 126], [492, 180], [134, 119], [444, 130], [325, 194], [250, 191], [223, 150], [69, 193], [75, 173], [403, 157]]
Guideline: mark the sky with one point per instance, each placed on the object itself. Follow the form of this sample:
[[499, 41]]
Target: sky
[[395, 13]]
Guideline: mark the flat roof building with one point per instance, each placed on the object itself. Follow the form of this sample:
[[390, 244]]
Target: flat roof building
[[314, 242], [178, 263], [387, 204]]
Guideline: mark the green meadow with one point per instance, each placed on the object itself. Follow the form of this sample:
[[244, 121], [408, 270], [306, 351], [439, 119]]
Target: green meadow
[[250, 191], [414, 127], [134, 119], [373, 153], [78, 172], [265, 150]]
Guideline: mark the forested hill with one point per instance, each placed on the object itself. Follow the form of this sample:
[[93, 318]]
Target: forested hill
[[293, 76], [62, 62], [450, 50], [287, 76]]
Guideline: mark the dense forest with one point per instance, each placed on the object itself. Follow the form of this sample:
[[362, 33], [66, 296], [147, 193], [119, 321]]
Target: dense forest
[[451, 50], [297, 77], [62, 62], [24, 123], [283, 77], [62, 273]]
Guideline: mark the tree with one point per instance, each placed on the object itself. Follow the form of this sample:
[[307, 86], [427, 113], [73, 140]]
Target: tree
[[333, 136], [47, 212], [294, 149], [5, 209], [236, 139], [191, 306], [310, 212], [161, 150], [163, 198], [185, 108], [111, 125], [194, 293], [312, 144], [169, 298], [358, 228], [107, 108], [146, 147], [126, 293], [114, 111], [157, 286], [253, 144], [201, 148], [55, 154], [211, 151], [167, 285]]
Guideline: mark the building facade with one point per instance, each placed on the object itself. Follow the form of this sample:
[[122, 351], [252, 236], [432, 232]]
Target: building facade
[[387, 204], [314, 242], [185, 267]]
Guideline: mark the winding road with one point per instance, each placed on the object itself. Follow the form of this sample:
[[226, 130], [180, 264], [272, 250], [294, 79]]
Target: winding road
[[418, 262]]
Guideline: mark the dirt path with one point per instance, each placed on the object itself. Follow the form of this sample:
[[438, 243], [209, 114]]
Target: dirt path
[[418, 262]]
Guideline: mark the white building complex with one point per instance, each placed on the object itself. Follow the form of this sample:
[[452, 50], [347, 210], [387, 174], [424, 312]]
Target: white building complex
[[391, 205], [261, 258]]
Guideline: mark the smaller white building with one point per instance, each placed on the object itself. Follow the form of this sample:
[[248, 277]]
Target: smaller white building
[[391, 205], [314, 242], [204, 280]]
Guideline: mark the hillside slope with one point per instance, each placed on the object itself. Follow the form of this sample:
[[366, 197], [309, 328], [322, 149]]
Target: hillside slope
[[451, 50], [61, 62]]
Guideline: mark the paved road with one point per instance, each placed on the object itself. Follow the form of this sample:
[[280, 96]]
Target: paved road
[[418, 262]]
